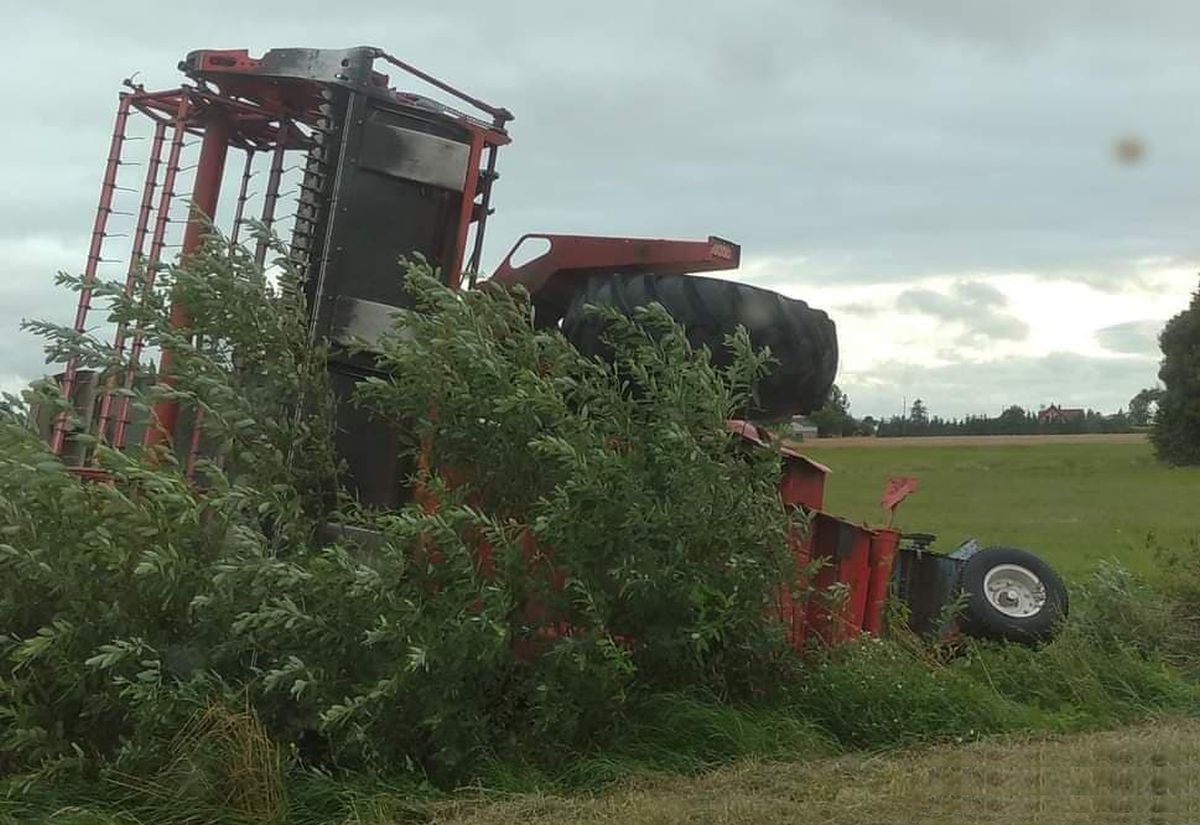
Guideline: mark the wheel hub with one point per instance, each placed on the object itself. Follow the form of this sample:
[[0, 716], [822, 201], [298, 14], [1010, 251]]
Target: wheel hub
[[1014, 590]]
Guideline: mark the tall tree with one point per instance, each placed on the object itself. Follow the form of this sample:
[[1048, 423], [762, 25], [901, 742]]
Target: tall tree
[[1140, 414], [834, 418], [918, 414], [1176, 432], [1013, 421]]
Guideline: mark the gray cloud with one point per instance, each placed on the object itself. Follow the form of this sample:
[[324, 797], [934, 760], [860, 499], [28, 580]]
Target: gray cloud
[[861, 308], [917, 152], [988, 386], [949, 138], [1024, 25], [1132, 337], [27, 292], [975, 306]]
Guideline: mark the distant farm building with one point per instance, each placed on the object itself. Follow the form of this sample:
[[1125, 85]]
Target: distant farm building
[[802, 428], [1055, 414]]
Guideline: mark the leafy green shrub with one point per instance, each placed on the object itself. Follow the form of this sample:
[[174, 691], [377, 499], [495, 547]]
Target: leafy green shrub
[[622, 488], [130, 606], [105, 643], [1155, 619], [1176, 429]]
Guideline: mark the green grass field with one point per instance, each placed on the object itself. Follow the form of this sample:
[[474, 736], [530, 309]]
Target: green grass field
[[1073, 503]]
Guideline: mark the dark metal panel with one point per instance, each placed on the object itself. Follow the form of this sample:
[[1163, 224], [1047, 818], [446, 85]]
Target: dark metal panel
[[925, 582], [411, 155], [370, 220], [366, 212], [326, 168], [376, 453], [847, 536], [358, 322]]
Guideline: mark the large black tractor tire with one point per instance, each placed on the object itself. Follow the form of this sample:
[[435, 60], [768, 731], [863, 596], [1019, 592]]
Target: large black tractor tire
[[803, 340], [997, 583]]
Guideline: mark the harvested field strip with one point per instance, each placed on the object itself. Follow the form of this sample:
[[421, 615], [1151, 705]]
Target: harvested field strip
[[1135, 776]]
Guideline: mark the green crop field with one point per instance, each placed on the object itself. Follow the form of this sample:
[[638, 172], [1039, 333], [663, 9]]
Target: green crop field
[[1073, 502]]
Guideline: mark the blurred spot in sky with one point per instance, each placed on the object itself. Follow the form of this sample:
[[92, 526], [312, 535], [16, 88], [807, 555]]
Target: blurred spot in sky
[[1129, 150]]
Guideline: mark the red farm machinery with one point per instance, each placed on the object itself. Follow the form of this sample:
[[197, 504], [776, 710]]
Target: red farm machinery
[[379, 174]]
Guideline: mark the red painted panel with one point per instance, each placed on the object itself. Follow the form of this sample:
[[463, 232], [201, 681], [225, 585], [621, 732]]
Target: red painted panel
[[883, 555], [803, 484], [854, 571]]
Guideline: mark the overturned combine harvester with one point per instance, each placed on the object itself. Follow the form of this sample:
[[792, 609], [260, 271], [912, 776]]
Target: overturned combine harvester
[[385, 174]]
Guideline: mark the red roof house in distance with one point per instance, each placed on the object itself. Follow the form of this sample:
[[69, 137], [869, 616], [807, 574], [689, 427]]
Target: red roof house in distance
[[1055, 414]]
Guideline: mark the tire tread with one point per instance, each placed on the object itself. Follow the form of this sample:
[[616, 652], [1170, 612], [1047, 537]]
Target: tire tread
[[801, 338]]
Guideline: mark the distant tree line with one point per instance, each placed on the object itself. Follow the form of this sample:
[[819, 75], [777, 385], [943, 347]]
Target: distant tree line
[[834, 420], [1014, 420]]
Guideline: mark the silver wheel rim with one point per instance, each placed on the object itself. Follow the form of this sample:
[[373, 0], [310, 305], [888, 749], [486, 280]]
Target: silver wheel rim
[[1014, 590]]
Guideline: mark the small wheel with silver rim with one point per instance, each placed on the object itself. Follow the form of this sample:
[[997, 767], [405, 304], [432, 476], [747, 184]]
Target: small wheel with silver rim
[[1011, 595]]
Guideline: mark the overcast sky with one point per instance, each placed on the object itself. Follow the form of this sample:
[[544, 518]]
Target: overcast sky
[[940, 176]]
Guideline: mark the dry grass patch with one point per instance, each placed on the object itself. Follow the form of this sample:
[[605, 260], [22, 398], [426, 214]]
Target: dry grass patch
[[223, 763], [1143, 775]]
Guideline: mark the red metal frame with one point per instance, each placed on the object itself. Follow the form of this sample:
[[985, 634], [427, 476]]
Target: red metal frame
[[898, 488], [466, 210], [107, 189], [145, 210], [853, 555], [548, 275], [179, 123], [243, 195], [244, 76], [230, 106], [205, 192], [884, 544]]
